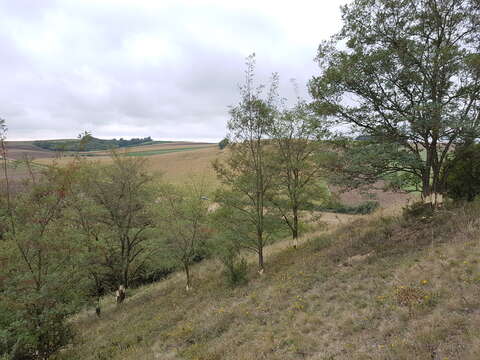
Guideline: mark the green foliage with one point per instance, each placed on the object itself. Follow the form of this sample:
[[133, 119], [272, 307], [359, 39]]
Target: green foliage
[[226, 247], [223, 144], [411, 75], [333, 205], [236, 272], [298, 162], [321, 242], [363, 163], [182, 219], [40, 281], [114, 214], [463, 179], [92, 144], [237, 227], [247, 175]]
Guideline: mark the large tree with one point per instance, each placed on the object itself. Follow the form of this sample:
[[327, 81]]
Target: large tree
[[407, 74]]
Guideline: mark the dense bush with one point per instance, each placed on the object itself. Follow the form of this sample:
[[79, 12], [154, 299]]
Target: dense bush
[[236, 272], [363, 208], [463, 177]]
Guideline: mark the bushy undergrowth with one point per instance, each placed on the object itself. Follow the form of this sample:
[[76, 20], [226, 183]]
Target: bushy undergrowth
[[364, 208], [236, 272]]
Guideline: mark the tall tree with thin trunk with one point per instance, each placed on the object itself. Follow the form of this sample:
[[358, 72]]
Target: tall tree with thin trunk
[[182, 218], [247, 174], [407, 74], [297, 135]]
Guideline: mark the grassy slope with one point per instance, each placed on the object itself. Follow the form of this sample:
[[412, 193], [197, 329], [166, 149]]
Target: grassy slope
[[415, 297]]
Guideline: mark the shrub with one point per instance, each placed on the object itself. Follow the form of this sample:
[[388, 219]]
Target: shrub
[[417, 210], [223, 144], [364, 208], [367, 207], [36, 333], [463, 177], [236, 270]]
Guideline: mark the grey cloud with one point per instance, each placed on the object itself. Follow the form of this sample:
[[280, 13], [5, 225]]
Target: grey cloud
[[122, 70]]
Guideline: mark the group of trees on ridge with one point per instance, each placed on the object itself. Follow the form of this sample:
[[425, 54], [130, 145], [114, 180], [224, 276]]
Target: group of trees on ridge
[[411, 72], [92, 144]]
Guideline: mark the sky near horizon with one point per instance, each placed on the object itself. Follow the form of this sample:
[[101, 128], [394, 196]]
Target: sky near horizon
[[136, 68]]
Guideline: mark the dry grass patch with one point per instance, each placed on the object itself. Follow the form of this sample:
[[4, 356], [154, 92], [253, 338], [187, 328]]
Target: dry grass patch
[[175, 167]]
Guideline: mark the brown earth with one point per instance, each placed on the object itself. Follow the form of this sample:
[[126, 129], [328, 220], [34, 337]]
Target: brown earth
[[17, 150]]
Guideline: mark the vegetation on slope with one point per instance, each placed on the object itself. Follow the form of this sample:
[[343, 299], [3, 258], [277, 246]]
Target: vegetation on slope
[[375, 288], [163, 151], [92, 144]]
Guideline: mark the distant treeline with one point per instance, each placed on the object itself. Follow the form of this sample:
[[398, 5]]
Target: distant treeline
[[90, 145]]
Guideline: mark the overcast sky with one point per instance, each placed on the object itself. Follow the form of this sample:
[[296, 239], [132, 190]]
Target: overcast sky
[[135, 68]]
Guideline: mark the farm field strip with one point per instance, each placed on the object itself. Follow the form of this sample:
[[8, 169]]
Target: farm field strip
[[162, 151]]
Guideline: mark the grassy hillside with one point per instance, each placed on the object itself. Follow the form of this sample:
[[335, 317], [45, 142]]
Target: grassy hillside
[[371, 287]]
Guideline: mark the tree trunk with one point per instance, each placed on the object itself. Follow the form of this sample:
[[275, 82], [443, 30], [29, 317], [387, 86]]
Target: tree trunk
[[295, 228], [187, 274], [261, 267], [125, 275]]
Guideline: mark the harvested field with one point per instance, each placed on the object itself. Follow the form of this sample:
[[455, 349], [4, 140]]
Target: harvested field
[[175, 167], [17, 150]]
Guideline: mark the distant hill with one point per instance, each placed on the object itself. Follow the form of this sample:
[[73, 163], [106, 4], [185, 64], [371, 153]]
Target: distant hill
[[92, 144]]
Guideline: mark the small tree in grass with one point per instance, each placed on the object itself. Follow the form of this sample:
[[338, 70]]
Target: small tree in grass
[[297, 160], [247, 174], [463, 173], [223, 144], [182, 219]]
